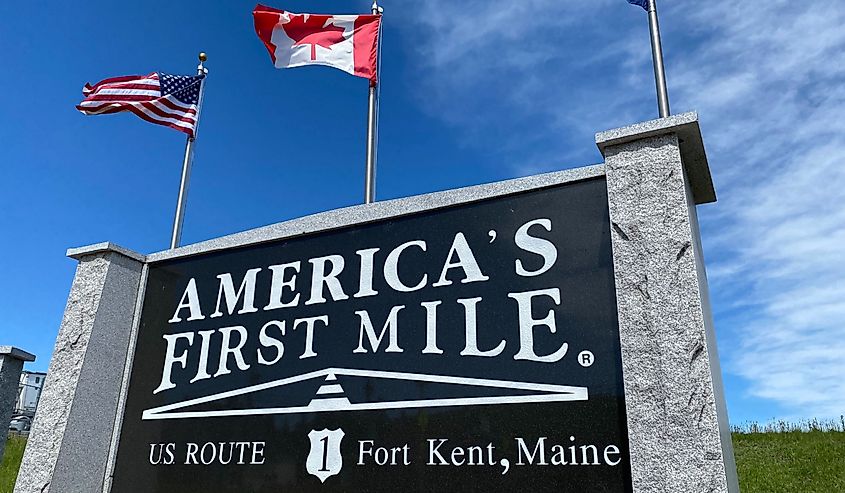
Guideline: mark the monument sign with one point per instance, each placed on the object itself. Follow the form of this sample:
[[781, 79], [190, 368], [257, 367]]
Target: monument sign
[[477, 345], [549, 333]]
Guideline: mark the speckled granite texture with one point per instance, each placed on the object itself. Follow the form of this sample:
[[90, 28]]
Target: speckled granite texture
[[69, 443], [673, 394], [685, 127]]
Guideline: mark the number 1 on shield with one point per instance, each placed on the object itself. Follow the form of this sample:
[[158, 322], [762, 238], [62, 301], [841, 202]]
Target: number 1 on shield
[[325, 441]]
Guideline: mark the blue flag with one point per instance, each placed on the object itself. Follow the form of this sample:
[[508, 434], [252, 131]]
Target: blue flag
[[641, 3]]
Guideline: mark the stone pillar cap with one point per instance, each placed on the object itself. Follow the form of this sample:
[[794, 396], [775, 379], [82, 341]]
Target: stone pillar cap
[[79, 252], [685, 125], [16, 353]]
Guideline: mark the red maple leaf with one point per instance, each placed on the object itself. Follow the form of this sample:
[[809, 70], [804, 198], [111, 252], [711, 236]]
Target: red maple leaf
[[308, 30]]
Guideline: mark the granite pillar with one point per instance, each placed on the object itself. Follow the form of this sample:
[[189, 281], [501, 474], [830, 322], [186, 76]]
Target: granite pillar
[[69, 443], [11, 364], [678, 429]]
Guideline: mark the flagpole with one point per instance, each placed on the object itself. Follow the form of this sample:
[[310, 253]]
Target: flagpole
[[370, 172], [657, 56], [176, 237]]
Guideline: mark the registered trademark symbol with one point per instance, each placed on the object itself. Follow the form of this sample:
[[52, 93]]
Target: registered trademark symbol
[[586, 359]]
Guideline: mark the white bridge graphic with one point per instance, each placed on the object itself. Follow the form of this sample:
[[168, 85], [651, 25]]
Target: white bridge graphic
[[330, 396]]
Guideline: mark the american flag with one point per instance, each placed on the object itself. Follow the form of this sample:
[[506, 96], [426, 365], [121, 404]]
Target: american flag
[[164, 99]]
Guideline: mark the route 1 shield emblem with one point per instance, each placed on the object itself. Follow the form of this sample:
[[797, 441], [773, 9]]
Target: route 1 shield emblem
[[324, 458]]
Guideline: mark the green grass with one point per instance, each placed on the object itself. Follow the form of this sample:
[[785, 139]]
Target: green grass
[[791, 462], [767, 462], [11, 462]]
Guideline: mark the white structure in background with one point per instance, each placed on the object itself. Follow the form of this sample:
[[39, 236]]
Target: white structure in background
[[30, 391]]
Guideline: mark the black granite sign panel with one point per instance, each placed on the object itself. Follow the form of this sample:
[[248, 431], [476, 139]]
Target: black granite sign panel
[[473, 348]]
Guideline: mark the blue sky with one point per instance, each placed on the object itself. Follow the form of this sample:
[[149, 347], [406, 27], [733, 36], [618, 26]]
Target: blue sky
[[472, 92]]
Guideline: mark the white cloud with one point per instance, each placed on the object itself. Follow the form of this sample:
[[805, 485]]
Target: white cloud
[[768, 82], [498, 69], [764, 75]]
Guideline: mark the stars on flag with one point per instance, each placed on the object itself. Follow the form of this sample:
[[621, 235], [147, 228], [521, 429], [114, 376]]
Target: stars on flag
[[163, 99]]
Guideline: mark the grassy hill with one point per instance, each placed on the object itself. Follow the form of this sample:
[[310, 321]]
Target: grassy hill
[[11, 460], [791, 462], [770, 459]]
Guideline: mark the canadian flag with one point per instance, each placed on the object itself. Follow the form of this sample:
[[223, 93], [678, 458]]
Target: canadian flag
[[347, 42]]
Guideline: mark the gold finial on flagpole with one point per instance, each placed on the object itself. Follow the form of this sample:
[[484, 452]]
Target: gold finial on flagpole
[[201, 70]]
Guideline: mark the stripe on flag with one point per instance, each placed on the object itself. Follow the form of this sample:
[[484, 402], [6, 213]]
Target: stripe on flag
[[163, 99]]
